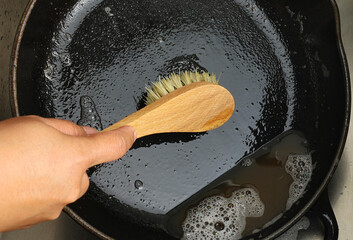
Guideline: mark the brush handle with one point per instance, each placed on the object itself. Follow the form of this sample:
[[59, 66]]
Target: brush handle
[[197, 107]]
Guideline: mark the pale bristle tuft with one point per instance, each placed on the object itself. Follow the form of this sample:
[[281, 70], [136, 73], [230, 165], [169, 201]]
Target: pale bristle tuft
[[174, 81]]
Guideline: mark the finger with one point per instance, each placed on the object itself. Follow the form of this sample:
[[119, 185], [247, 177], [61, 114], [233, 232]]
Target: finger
[[109, 146], [68, 128], [64, 126], [84, 185], [90, 130]]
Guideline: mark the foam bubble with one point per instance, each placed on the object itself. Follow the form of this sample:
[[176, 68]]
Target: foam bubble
[[247, 162], [299, 167], [222, 218]]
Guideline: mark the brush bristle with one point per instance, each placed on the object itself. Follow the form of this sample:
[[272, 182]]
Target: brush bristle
[[174, 81]]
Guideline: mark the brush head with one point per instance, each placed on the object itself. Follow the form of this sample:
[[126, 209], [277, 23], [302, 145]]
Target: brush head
[[174, 81]]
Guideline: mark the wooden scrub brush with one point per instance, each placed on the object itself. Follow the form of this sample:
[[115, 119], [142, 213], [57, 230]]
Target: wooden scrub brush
[[186, 102]]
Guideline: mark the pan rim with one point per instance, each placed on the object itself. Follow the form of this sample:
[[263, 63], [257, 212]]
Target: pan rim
[[288, 224], [16, 112], [342, 142]]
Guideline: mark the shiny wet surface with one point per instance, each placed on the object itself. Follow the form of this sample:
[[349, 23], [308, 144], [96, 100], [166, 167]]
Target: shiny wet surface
[[113, 54]]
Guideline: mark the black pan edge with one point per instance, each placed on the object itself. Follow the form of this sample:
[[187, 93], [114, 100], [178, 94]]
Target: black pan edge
[[86, 225], [16, 112], [338, 156], [14, 59]]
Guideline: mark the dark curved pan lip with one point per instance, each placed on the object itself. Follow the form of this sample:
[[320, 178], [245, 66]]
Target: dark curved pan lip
[[341, 145], [82, 222], [16, 111]]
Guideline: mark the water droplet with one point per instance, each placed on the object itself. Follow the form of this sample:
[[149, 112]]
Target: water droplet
[[138, 184], [108, 11], [49, 71], [65, 59], [55, 54], [68, 37], [160, 39]]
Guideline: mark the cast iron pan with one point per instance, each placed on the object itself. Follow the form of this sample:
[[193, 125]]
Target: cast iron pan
[[281, 61]]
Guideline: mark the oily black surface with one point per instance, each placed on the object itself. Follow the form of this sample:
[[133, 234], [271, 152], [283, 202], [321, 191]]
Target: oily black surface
[[279, 61]]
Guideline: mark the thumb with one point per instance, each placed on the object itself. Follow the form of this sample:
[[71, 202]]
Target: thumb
[[111, 145]]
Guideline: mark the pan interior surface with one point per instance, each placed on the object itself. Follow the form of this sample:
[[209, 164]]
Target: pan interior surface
[[96, 57]]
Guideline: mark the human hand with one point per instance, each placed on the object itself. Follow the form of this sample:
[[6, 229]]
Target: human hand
[[43, 165]]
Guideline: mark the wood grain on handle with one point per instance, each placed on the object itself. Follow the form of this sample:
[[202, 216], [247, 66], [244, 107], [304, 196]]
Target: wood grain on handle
[[197, 107]]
